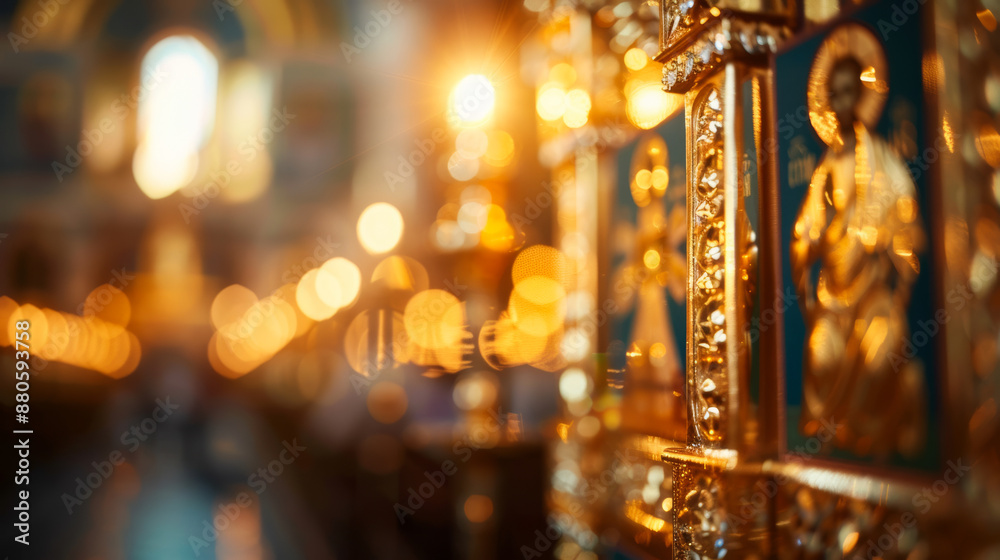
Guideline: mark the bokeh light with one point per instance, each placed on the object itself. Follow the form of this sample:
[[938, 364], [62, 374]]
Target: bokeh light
[[636, 59], [380, 228], [338, 282], [478, 508], [387, 402], [308, 299]]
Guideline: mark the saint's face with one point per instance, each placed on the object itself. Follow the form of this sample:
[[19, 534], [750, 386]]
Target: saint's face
[[845, 91]]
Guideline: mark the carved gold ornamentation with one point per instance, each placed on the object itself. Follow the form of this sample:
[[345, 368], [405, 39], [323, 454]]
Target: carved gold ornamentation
[[720, 509], [700, 526], [707, 383], [685, 64], [860, 223], [678, 16], [816, 524]]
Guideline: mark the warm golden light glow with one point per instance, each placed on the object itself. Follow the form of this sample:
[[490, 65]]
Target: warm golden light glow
[[387, 402], [651, 259], [530, 330], [434, 319], [249, 331], [475, 391], [175, 118], [462, 168], [472, 100], [380, 228], [636, 59], [500, 150], [988, 144], [574, 385], [7, 309], [497, 234], [88, 342], [577, 108], [338, 282], [478, 508], [537, 319], [308, 299], [400, 274], [371, 360], [160, 173], [551, 103], [435, 326], [540, 260], [36, 318], [987, 18], [646, 104], [563, 73], [471, 143], [245, 107], [230, 304], [633, 510]]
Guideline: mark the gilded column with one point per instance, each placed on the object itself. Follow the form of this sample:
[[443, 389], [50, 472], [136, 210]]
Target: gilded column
[[716, 54]]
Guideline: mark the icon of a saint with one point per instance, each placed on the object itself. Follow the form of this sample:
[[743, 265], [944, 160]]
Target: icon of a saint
[[854, 260]]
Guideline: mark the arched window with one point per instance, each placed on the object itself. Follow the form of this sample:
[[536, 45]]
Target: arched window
[[179, 78]]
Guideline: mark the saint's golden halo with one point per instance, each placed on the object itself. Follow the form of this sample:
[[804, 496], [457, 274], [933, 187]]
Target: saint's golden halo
[[855, 40]]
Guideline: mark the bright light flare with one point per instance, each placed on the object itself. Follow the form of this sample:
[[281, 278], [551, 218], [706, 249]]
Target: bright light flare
[[176, 113], [574, 385], [472, 100]]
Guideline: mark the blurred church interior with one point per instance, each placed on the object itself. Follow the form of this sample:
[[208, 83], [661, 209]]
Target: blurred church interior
[[502, 279]]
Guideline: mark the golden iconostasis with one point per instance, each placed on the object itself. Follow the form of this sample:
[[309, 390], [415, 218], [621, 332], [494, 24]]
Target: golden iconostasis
[[552, 278]]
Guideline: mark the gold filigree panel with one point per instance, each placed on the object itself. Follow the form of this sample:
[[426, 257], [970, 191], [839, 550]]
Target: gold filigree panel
[[813, 524], [707, 379], [718, 513]]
